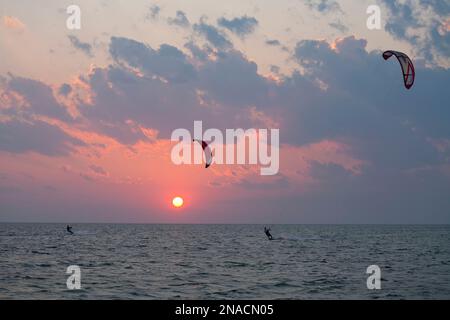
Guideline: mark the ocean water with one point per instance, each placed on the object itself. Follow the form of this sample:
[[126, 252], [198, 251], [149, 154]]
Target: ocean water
[[145, 261]]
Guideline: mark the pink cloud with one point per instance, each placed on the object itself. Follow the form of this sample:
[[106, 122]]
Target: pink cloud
[[13, 23]]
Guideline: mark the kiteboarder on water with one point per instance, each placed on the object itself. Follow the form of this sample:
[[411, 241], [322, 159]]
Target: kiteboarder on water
[[69, 229], [267, 232]]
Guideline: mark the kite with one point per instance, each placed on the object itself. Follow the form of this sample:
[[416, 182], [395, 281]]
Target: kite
[[207, 151], [407, 66]]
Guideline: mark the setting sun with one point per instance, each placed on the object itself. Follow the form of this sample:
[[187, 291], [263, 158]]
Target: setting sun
[[177, 202]]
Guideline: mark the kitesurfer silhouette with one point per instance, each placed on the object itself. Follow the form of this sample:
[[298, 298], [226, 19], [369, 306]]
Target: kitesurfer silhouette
[[267, 232]]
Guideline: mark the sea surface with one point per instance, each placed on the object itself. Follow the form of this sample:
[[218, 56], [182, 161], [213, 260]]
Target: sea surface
[[148, 261]]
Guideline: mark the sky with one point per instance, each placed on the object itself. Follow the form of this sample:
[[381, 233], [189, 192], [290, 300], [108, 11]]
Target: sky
[[86, 115]]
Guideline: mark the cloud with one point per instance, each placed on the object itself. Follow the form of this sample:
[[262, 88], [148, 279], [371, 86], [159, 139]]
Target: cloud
[[343, 99], [65, 89], [274, 69], [386, 123], [234, 81], [331, 174], [167, 62], [198, 53], [66, 168], [38, 136], [241, 26], [338, 25], [323, 6], [82, 46], [404, 17], [422, 23], [334, 98], [162, 90], [125, 104], [13, 23], [273, 42], [39, 97], [276, 183], [98, 170], [86, 176], [153, 13], [212, 35], [180, 20]]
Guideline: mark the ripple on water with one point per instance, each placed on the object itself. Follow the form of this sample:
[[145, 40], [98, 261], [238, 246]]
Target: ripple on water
[[224, 261]]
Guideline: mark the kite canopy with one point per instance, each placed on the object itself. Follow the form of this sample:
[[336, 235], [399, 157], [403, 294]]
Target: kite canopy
[[407, 66], [207, 151]]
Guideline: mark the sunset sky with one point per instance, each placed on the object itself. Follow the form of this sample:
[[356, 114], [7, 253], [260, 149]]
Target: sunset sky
[[86, 115]]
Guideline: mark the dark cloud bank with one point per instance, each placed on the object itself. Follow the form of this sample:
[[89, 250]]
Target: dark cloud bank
[[345, 93]]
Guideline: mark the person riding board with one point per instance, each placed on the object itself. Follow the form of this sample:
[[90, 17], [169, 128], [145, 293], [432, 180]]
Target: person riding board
[[267, 232], [69, 229]]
